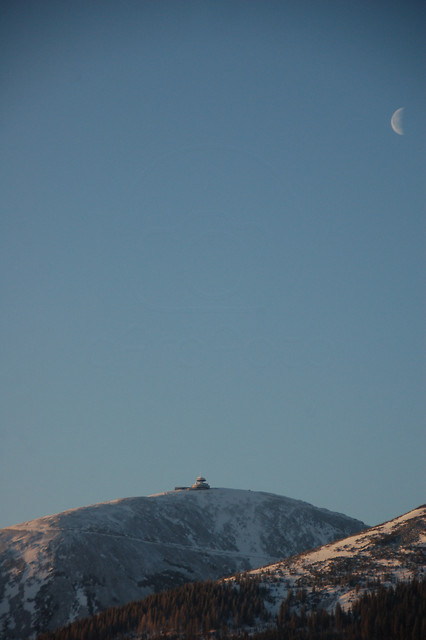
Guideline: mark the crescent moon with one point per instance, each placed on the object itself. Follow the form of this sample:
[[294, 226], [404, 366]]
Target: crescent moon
[[396, 121]]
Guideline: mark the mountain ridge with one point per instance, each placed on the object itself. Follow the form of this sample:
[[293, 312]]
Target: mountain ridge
[[58, 568], [341, 571], [370, 584]]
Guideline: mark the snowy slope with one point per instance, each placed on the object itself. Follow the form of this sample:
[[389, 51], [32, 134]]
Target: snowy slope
[[342, 571], [57, 568]]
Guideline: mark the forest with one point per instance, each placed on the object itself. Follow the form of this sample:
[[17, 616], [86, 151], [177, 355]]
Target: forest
[[226, 611]]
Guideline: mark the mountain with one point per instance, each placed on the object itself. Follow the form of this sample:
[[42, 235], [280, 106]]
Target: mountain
[[370, 585], [341, 572], [62, 567]]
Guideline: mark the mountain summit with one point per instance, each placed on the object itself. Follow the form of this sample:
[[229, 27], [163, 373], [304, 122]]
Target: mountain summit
[[59, 568], [369, 585]]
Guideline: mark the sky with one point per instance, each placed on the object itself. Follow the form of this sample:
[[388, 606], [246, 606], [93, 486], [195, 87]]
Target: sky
[[212, 252]]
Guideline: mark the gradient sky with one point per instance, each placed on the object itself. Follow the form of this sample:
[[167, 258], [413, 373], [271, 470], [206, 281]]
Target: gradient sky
[[212, 252]]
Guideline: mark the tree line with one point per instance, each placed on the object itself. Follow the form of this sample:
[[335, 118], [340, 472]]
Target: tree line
[[191, 611], [227, 611], [390, 613]]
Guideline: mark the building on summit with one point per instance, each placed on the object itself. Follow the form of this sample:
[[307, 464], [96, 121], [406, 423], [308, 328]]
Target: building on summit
[[200, 483]]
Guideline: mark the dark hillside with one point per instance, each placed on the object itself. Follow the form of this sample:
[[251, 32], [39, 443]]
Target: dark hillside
[[219, 610]]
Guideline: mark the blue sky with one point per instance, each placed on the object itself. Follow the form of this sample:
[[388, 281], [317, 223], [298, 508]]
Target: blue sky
[[212, 252]]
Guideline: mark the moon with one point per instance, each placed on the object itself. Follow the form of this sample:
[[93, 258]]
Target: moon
[[396, 121]]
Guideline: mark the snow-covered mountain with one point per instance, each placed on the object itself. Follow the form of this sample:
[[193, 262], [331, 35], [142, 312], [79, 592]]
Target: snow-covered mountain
[[340, 572], [292, 594], [62, 567]]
